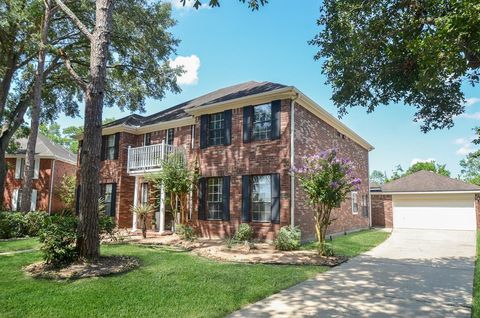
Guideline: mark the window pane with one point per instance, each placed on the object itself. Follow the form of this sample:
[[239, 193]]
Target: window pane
[[262, 122], [110, 147], [214, 198], [216, 125], [261, 198], [107, 197]]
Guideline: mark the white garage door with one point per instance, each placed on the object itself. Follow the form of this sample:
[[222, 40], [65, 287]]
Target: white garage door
[[439, 211]]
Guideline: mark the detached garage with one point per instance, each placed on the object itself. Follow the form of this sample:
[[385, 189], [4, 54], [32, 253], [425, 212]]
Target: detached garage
[[426, 200]]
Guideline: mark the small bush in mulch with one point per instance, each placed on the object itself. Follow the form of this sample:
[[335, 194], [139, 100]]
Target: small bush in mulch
[[104, 266]]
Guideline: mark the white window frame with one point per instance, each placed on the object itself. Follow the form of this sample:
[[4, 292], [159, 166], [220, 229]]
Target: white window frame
[[354, 196]]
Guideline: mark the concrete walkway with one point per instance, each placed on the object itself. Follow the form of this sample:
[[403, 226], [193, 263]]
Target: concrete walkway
[[415, 273]]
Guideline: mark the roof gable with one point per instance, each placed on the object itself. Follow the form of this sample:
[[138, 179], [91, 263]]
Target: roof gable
[[427, 181], [46, 148]]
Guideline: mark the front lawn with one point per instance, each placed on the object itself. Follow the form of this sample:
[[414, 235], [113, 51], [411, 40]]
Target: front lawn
[[476, 284], [168, 284], [19, 244], [354, 244]]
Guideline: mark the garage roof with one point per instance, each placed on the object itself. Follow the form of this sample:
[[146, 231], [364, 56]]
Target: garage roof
[[427, 181]]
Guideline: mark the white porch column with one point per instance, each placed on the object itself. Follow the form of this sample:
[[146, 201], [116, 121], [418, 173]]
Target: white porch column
[[161, 227], [135, 203]]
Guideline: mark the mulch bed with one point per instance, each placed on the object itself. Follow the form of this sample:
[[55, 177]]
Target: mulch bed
[[104, 266], [263, 253]]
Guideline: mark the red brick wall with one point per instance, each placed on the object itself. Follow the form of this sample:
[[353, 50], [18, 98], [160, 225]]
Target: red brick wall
[[382, 210], [42, 184], [313, 135], [61, 169], [238, 159]]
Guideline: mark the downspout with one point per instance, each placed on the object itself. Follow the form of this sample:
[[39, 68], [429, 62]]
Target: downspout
[[292, 160], [369, 193], [51, 187]]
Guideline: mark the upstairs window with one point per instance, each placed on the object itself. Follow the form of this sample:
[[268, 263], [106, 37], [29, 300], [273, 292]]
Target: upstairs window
[[110, 145], [147, 139], [169, 136], [262, 122], [216, 129]]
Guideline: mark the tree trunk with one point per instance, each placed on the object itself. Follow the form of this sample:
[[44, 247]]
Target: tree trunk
[[36, 109], [88, 242]]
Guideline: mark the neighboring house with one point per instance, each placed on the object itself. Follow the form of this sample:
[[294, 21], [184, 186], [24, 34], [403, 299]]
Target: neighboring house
[[426, 200], [242, 138], [52, 162]]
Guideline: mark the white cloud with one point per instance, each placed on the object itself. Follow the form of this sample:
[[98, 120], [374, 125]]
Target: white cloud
[[177, 4], [415, 160], [466, 146], [470, 115], [472, 101], [190, 65]]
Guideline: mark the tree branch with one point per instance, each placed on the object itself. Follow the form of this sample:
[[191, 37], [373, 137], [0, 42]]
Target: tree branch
[[77, 78], [74, 18]]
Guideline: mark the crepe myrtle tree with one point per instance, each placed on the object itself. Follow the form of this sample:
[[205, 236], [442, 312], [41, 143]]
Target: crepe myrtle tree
[[327, 180]]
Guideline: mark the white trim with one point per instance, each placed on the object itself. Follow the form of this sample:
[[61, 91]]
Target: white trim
[[424, 192], [369, 194], [192, 146], [135, 204], [18, 168], [292, 161], [50, 194], [14, 199], [354, 194], [33, 200], [52, 157], [36, 169]]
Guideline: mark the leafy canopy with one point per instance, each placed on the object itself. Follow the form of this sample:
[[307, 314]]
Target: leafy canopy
[[470, 171], [416, 52]]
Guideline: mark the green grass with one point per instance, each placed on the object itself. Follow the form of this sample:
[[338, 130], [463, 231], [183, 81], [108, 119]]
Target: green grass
[[476, 283], [19, 244], [168, 284], [354, 244]]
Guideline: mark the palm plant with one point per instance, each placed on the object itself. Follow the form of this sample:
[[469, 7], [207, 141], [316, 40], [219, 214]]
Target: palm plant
[[142, 211]]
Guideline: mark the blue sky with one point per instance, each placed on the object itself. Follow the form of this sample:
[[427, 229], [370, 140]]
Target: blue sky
[[228, 45]]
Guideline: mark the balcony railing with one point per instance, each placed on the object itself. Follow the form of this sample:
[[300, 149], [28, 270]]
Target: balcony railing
[[150, 158]]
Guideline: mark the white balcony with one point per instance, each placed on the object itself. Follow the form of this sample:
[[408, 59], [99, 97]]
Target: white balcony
[[150, 158]]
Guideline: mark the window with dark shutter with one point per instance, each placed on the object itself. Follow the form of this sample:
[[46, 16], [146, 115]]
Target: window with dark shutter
[[226, 198], [228, 127], [245, 198], [110, 145], [203, 131], [247, 123], [216, 129], [169, 134], [108, 191], [276, 106], [214, 198], [261, 198], [261, 122], [147, 139]]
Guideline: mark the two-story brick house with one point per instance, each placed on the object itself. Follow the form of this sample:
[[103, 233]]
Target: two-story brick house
[[52, 162], [246, 139]]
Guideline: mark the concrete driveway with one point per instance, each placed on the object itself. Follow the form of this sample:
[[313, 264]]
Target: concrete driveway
[[414, 273]]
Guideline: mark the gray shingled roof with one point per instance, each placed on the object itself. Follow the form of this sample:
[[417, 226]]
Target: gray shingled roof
[[427, 181], [178, 111], [46, 148]]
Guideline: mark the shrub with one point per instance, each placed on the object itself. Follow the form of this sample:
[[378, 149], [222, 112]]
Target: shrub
[[58, 237], [288, 238], [12, 224], [244, 233], [185, 231], [33, 222], [107, 226]]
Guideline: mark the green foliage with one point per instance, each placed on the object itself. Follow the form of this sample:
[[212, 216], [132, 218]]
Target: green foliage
[[58, 237], [327, 180], [142, 211], [67, 192], [252, 4], [17, 224], [378, 177], [470, 171], [288, 238], [185, 231], [419, 166], [419, 53], [244, 233]]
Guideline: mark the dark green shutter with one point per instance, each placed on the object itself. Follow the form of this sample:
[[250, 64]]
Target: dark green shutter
[[104, 148], [226, 198], [245, 198], [227, 115], [203, 131], [77, 200], [275, 198], [80, 147], [247, 123], [114, 199], [275, 133], [117, 146], [202, 185]]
